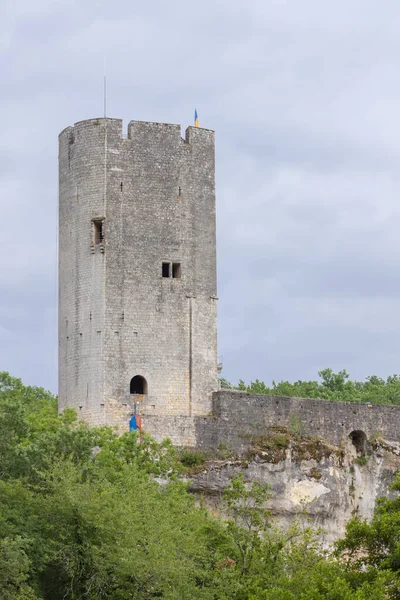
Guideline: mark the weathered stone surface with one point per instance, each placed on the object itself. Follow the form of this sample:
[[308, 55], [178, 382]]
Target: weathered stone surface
[[241, 417], [118, 317], [328, 491], [154, 192]]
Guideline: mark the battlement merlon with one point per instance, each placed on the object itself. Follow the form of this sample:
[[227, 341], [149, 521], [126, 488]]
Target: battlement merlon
[[137, 129]]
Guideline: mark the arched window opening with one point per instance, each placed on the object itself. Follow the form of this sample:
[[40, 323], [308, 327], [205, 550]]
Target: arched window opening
[[359, 441], [138, 385]]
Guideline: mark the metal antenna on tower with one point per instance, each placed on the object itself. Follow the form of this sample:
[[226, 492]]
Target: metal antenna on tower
[[105, 87]]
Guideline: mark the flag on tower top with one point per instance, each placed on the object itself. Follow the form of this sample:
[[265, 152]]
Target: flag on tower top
[[196, 118]]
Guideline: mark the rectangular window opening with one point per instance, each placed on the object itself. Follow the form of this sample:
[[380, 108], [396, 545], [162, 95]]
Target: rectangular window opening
[[176, 270], [98, 231], [166, 269]]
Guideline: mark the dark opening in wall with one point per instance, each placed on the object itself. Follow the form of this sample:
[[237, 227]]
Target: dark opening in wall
[[98, 231], [138, 385], [176, 270], [171, 270], [359, 441]]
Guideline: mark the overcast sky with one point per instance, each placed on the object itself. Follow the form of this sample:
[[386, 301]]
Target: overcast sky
[[304, 97]]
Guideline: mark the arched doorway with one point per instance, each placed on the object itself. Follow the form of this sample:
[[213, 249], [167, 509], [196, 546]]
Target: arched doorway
[[359, 441], [138, 385]]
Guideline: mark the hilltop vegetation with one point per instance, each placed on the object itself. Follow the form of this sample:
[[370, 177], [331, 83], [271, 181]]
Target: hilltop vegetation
[[85, 514], [332, 386]]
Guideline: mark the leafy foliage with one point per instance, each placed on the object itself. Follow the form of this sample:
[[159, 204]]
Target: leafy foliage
[[86, 514], [332, 386], [192, 458], [371, 550]]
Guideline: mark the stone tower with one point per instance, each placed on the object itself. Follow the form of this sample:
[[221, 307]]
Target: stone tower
[[137, 273]]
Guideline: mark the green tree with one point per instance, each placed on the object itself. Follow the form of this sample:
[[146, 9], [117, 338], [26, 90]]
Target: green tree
[[372, 549], [332, 386], [246, 505], [85, 513], [14, 570]]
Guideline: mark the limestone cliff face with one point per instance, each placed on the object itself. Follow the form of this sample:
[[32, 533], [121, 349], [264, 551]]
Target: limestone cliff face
[[310, 479]]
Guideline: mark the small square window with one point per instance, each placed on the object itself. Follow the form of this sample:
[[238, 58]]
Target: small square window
[[166, 269], [176, 270]]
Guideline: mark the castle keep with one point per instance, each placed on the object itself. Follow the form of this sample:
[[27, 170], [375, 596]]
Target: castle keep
[[137, 296], [137, 272], [138, 331]]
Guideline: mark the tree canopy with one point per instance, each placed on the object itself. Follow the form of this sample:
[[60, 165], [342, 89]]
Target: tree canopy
[[331, 386], [88, 514]]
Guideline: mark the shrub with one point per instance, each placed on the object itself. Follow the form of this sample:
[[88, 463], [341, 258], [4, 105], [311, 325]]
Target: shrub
[[192, 458]]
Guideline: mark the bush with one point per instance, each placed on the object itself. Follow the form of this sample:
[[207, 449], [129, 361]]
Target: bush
[[192, 458]]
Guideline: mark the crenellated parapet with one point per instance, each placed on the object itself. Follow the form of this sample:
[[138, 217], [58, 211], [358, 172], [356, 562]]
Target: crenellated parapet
[[136, 129]]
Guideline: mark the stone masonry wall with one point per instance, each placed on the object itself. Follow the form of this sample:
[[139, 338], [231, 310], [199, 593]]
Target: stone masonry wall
[[118, 317], [237, 418], [81, 273]]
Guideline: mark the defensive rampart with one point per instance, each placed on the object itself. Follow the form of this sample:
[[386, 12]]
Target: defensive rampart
[[237, 418]]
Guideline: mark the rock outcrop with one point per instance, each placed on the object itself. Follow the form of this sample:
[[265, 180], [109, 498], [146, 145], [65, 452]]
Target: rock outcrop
[[308, 478]]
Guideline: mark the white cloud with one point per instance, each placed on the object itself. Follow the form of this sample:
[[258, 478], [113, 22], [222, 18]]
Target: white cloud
[[304, 98]]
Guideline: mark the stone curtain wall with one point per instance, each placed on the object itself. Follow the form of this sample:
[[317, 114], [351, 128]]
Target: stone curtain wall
[[238, 417]]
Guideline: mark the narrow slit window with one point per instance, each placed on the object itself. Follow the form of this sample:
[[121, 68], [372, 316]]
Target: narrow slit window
[[166, 269], [98, 231], [176, 270]]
